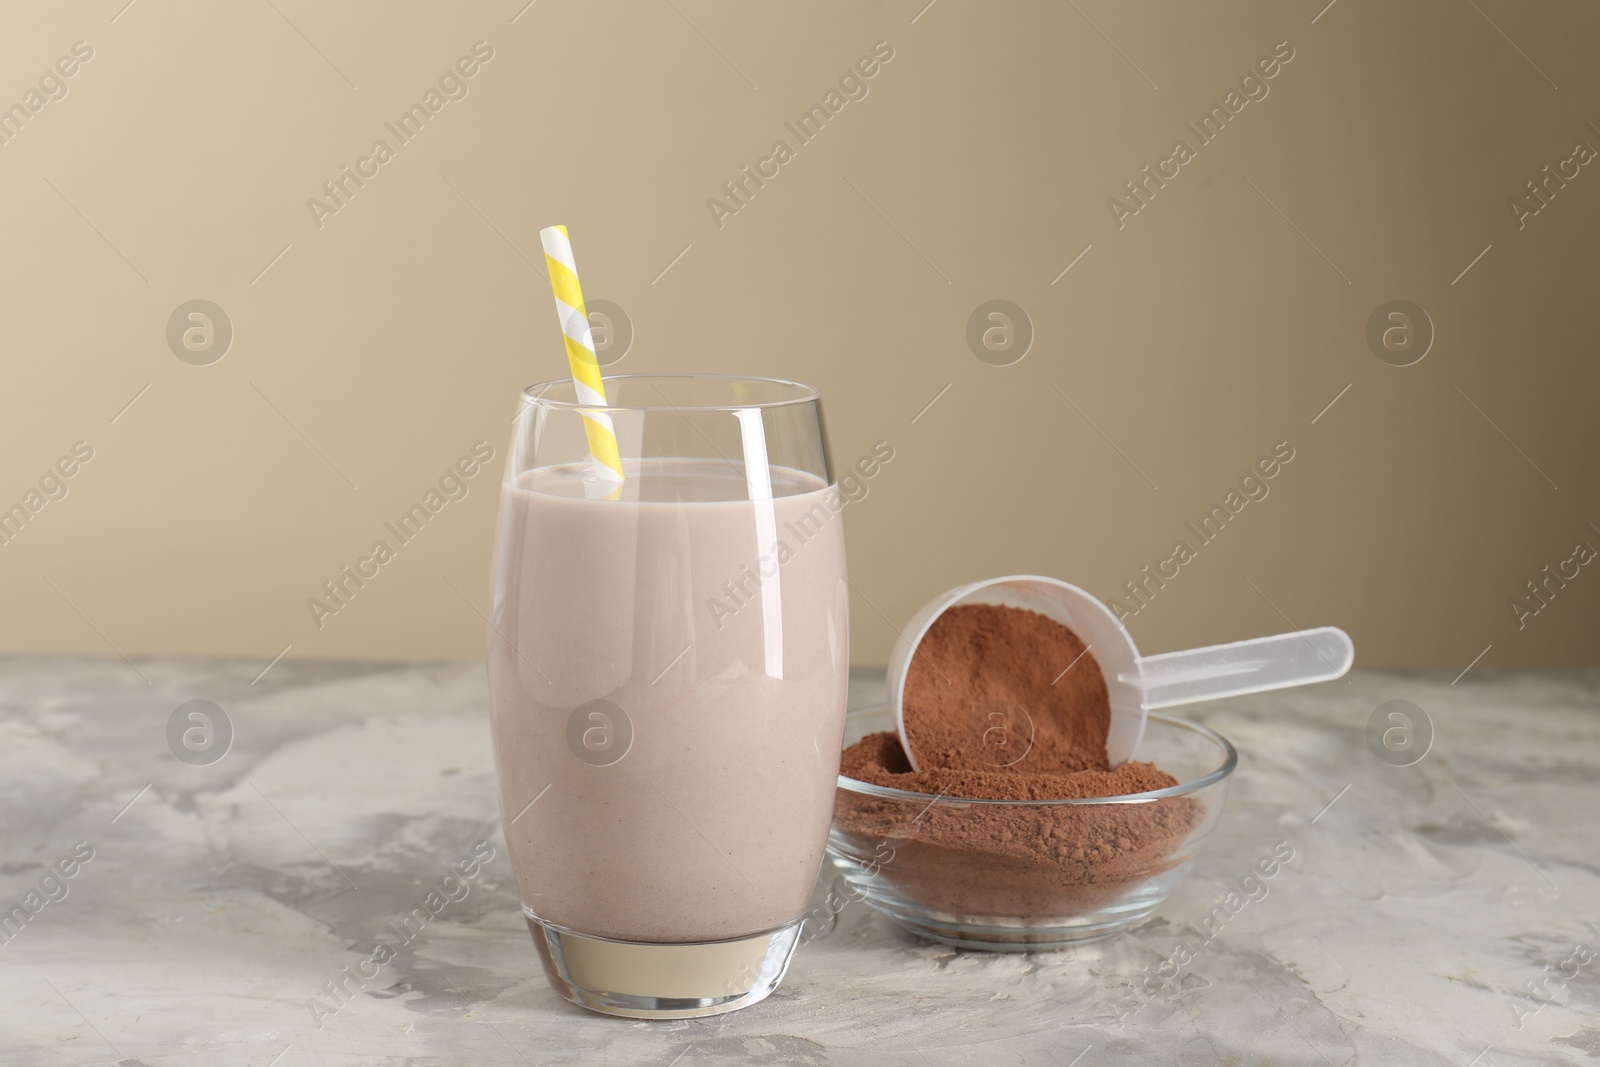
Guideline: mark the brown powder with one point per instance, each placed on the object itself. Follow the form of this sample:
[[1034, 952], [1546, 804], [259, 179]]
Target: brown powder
[[879, 759], [992, 716], [987, 680]]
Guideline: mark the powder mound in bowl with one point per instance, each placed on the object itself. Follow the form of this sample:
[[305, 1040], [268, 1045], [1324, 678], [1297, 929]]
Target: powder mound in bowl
[[1016, 864], [879, 760], [976, 666]]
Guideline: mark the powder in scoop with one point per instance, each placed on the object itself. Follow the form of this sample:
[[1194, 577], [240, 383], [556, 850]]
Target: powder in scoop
[[993, 686]]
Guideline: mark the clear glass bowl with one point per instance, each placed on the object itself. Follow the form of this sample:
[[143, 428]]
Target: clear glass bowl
[[1028, 875]]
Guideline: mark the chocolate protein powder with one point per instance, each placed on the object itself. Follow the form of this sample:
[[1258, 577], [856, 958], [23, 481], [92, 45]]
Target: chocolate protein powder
[[1001, 703], [993, 687]]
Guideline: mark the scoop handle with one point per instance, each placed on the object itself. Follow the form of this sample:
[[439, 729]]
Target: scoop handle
[[1253, 666]]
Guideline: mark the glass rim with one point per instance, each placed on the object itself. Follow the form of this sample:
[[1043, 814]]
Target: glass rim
[[1230, 760], [532, 396]]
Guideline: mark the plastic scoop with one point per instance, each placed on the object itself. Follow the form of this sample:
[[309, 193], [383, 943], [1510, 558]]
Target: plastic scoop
[[1136, 684]]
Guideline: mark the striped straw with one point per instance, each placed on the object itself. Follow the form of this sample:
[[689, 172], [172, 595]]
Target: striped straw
[[580, 352]]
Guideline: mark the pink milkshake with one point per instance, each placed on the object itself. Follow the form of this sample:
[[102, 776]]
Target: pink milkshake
[[667, 674]]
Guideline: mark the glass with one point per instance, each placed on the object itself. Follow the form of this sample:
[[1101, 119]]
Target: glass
[[667, 672], [1025, 875]]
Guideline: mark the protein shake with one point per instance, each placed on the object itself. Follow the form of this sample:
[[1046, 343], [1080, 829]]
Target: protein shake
[[667, 674]]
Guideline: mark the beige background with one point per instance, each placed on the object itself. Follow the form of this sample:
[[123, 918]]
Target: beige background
[[379, 347]]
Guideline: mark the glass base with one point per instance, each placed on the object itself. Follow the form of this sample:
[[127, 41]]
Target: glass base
[[985, 937], [655, 980]]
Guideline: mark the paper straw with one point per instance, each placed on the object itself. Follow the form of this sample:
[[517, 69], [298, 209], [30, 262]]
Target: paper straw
[[580, 352]]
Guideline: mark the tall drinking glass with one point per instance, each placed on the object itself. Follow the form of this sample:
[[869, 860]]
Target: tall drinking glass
[[667, 672]]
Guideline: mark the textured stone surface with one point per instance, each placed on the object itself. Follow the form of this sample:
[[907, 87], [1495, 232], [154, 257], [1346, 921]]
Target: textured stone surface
[[1416, 908]]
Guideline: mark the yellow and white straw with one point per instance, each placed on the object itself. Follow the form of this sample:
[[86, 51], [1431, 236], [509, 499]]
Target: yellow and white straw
[[580, 352]]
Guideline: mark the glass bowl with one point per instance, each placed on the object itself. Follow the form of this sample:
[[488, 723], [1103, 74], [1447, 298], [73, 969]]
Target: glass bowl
[[1029, 875]]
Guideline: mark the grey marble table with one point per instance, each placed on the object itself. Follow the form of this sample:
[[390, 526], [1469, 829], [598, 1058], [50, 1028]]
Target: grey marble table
[[1442, 913]]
